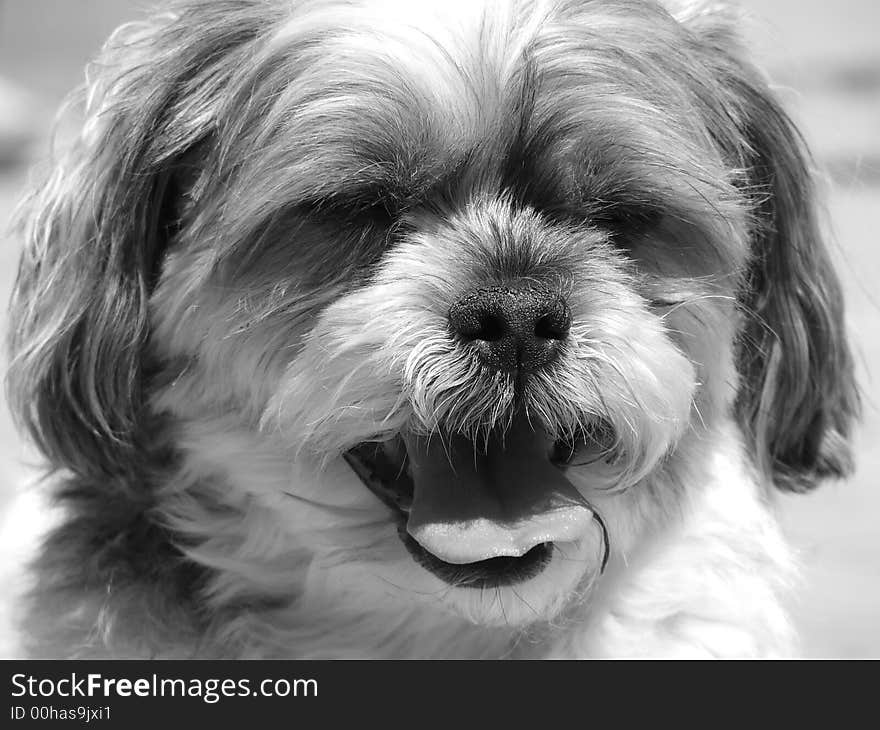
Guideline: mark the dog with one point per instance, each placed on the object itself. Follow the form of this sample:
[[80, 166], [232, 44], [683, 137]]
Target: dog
[[370, 328]]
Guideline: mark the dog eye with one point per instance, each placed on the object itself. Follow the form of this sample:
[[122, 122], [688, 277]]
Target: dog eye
[[623, 221], [357, 211]]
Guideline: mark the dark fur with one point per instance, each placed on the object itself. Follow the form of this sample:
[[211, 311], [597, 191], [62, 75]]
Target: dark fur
[[800, 396]]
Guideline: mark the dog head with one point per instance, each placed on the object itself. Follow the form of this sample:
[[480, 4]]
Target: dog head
[[510, 264]]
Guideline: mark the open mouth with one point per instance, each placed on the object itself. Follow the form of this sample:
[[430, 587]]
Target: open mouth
[[482, 515]]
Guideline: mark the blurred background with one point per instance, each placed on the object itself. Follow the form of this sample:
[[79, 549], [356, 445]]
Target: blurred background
[[825, 59]]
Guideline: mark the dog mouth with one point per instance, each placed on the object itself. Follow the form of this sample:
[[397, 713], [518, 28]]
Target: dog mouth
[[483, 515]]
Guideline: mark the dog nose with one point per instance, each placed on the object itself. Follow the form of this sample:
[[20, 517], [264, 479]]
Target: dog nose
[[513, 328]]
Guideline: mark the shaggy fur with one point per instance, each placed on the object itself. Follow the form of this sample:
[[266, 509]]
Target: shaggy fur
[[243, 268]]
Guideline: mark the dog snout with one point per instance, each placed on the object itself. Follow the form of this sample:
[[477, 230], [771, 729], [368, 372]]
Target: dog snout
[[516, 328]]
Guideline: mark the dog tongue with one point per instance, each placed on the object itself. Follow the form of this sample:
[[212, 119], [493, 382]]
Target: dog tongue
[[470, 505]]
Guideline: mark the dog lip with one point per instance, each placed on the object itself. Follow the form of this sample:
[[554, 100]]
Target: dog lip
[[595, 441], [503, 570], [389, 481]]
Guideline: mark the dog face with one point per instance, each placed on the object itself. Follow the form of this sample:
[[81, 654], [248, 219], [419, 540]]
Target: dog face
[[430, 300]]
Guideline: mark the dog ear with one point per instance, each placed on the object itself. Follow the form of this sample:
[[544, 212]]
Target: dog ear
[[95, 232], [798, 397]]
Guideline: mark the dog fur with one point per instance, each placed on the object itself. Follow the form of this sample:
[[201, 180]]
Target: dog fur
[[243, 267]]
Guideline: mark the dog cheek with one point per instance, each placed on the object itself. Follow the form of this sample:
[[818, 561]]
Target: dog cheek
[[221, 354], [625, 367], [706, 331], [653, 388], [347, 383]]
